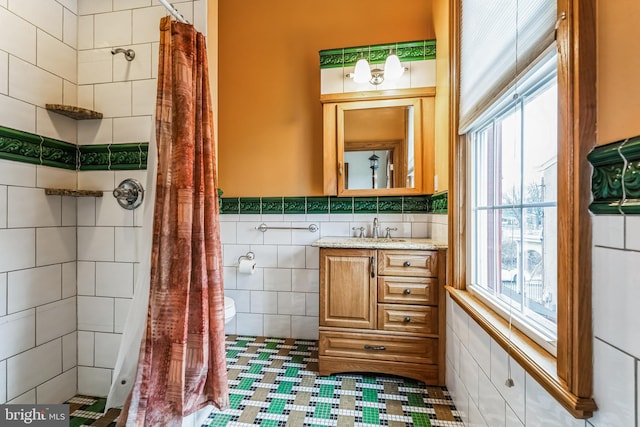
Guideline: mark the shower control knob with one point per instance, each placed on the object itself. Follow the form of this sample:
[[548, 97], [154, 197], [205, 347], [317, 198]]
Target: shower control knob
[[129, 194]]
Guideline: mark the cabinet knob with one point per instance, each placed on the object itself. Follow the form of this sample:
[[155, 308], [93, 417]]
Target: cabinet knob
[[407, 319], [375, 347], [407, 264], [407, 291]]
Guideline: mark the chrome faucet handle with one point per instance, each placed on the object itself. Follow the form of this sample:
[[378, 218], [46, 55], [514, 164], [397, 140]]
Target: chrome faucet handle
[[389, 230], [361, 229]]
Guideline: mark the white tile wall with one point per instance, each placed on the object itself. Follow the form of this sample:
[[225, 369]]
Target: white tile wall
[[616, 351]]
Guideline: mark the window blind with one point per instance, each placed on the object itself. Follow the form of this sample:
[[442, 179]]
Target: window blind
[[499, 39]]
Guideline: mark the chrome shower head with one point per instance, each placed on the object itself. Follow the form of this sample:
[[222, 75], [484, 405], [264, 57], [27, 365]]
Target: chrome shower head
[[129, 54]]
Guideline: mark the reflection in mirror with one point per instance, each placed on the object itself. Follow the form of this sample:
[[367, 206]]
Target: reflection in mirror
[[379, 148]]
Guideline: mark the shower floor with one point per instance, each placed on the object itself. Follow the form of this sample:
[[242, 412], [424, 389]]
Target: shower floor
[[274, 382]]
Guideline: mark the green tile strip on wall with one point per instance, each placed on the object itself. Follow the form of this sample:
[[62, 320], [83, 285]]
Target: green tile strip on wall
[[113, 156], [27, 147], [606, 181], [436, 203], [377, 54], [40, 150], [439, 202]]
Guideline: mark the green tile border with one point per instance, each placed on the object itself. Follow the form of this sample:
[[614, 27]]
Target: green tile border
[[376, 54], [436, 203], [608, 161], [31, 148], [440, 203], [113, 156]]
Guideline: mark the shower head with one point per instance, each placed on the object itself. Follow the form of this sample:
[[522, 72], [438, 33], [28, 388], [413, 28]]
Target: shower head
[[128, 53]]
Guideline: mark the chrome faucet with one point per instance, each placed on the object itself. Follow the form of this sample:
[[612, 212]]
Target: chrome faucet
[[375, 232]]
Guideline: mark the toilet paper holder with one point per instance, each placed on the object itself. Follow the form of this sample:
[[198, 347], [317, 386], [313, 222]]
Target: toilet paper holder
[[249, 256]]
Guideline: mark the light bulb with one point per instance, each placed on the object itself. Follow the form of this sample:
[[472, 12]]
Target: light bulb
[[392, 67], [362, 73]]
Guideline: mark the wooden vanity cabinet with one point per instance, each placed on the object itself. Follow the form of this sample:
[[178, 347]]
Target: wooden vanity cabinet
[[382, 310]]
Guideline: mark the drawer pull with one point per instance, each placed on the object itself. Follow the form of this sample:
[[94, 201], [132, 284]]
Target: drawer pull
[[407, 319], [375, 347], [373, 267], [407, 291], [407, 264]]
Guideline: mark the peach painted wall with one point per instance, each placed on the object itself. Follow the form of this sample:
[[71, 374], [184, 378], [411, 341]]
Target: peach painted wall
[[270, 116], [442, 128], [618, 65]]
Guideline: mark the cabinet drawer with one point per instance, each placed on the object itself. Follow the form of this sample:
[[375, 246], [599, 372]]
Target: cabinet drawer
[[377, 346], [407, 290], [408, 318], [408, 263]]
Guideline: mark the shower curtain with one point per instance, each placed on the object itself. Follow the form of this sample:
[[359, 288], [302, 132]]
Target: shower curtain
[[181, 366]]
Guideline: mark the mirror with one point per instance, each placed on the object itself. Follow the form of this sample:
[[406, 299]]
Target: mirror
[[379, 147]]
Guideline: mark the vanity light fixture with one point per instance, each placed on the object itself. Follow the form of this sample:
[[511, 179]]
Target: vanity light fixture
[[363, 73]]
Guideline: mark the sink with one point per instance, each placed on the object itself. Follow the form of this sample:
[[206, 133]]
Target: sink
[[379, 239]]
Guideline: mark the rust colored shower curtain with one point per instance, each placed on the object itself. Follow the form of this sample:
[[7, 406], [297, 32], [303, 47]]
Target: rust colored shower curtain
[[182, 365]]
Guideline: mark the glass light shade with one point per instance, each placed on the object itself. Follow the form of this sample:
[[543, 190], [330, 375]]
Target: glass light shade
[[392, 67], [362, 73]]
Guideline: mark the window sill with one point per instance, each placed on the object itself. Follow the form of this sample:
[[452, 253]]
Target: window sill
[[535, 360]]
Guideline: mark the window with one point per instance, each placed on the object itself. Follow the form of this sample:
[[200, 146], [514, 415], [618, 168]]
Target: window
[[513, 180], [486, 262]]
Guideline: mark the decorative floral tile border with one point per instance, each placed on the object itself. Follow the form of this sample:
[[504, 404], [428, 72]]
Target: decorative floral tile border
[[35, 149], [615, 182], [377, 54], [436, 203]]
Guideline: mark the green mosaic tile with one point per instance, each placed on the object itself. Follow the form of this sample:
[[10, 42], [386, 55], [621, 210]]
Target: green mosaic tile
[[27, 147], [326, 390], [272, 205], [420, 419], [295, 205], [371, 415], [340, 205], [317, 205], [255, 368], [285, 387], [77, 422], [369, 380], [220, 420], [297, 359], [369, 395], [264, 356], [302, 347], [416, 204], [415, 400], [250, 205], [113, 156], [59, 154], [269, 423], [235, 400], [232, 354], [229, 205], [365, 205], [390, 204], [291, 372], [245, 383], [323, 410], [277, 406]]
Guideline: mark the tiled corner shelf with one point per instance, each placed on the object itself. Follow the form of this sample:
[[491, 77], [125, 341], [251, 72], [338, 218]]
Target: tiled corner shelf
[[77, 113], [72, 193]]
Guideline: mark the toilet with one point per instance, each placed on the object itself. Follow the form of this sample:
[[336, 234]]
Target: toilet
[[229, 309]]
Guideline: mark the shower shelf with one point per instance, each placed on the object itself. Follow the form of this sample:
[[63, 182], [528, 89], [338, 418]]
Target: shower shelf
[[77, 113], [72, 193]]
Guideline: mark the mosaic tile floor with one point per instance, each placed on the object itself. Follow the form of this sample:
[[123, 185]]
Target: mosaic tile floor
[[274, 382]]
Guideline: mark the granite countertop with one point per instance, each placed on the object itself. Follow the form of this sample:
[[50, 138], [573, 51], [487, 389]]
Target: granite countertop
[[380, 243]]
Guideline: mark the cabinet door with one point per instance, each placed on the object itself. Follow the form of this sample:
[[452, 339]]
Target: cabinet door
[[348, 291]]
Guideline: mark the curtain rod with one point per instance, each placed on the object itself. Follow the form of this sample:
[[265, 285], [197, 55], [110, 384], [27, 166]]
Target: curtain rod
[[173, 11]]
